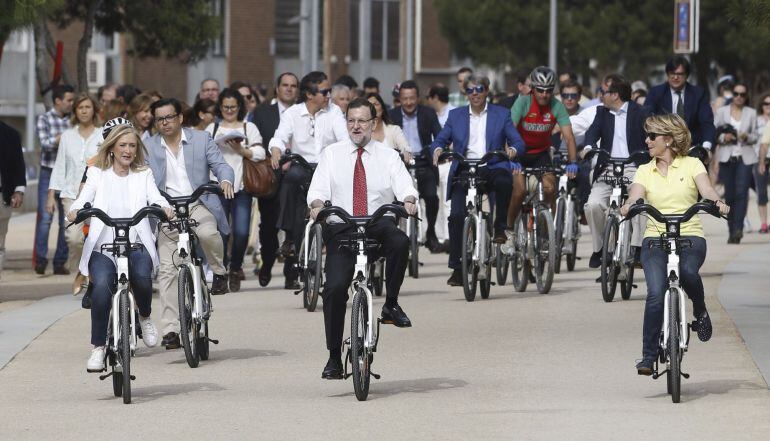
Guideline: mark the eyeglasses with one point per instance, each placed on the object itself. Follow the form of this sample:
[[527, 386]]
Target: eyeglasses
[[325, 92], [229, 108], [570, 96], [766, 104], [360, 122], [543, 90], [471, 90], [652, 136], [165, 119], [677, 74], [742, 94]]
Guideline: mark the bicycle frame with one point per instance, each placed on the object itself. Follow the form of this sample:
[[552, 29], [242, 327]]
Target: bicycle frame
[[360, 280], [672, 269], [114, 322], [473, 200]]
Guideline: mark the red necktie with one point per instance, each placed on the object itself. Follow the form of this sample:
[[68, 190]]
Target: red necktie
[[359, 187]]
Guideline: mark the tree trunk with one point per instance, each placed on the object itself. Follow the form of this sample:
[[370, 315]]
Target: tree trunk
[[85, 44]]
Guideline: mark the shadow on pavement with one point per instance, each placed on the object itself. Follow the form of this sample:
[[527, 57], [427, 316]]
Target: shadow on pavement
[[692, 391], [152, 393], [379, 389], [232, 354]]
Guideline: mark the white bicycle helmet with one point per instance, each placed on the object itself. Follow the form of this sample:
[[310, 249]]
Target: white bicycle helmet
[[114, 122], [543, 77]]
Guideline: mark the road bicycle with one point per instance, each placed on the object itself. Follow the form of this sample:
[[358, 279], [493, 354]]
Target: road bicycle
[[617, 255], [121, 326], [477, 256], [311, 256], [364, 334], [675, 334], [534, 243], [193, 295]]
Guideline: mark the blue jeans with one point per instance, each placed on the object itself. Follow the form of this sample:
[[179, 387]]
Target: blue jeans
[[736, 177], [104, 276], [43, 226], [238, 211], [654, 261]]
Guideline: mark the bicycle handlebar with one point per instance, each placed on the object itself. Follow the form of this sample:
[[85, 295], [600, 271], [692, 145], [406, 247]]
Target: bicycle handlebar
[[499, 154], [296, 159], [705, 206], [150, 210], [636, 157], [364, 221], [210, 187]]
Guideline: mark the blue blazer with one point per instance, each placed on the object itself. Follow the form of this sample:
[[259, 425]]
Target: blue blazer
[[603, 128], [500, 129], [697, 110]]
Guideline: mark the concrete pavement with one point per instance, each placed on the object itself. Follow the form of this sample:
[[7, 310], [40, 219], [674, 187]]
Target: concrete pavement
[[516, 366]]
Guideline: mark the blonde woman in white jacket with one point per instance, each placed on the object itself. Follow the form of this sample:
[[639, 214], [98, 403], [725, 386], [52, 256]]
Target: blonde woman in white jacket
[[119, 184]]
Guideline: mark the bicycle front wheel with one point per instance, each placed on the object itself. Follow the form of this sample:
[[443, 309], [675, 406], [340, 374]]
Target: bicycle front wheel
[[545, 251], [501, 265], [575, 226], [359, 328], [414, 249], [469, 269], [188, 327], [124, 344], [561, 209], [314, 270], [485, 285], [520, 266], [609, 270], [674, 351]]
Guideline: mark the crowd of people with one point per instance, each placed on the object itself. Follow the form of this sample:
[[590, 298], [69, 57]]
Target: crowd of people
[[140, 141]]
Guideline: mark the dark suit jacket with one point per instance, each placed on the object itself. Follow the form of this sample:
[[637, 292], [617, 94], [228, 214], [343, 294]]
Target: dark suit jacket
[[603, 128], [266, 118], [12, 169], [697, 110], [428, 126]]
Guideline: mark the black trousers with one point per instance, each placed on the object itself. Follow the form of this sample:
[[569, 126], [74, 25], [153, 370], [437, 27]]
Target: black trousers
[[340, 263], [269, 209], [427, 186], [293, 204]]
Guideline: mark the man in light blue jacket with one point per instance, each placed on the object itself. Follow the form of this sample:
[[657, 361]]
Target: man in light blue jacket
[[181, 161]]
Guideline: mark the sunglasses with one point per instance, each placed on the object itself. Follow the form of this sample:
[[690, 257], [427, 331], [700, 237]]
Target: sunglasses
[[543, 90], [570, 96], [325, 92], [742, 94], [471, 90], [652, 136]]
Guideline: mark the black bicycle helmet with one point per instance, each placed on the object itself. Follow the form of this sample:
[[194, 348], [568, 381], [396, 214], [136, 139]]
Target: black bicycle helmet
[[543, 77], [114, 122]]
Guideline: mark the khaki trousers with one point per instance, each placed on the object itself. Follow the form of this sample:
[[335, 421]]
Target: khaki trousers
[[74, 237], [211, 242], [596, 213]]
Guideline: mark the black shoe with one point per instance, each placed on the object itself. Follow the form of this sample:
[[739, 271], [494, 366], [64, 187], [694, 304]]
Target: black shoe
[[240, 274], [61, 271], [171, 341], [394, 315], [432, 245], [40, 268], [702, 325], [287, 249], [235, 281], [500, 237], [644, 367], [219, 285], [333, 369], [264, 277], [291, 284], [596, 260], [456, 279]]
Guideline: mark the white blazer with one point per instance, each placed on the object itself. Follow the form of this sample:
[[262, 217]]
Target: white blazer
[[141, 192], [748, 125]]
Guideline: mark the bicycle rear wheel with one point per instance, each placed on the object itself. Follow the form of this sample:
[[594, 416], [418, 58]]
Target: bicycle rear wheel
[[485, 285], [627, 285], [414, 248], [545, 251], [314, 270], [520, 266], [575, 226], [502, 261], [188, 327], [561, 209], [609, 270], [359, 328], [469, 270], [124, 344], [117, 377], [674, 351]]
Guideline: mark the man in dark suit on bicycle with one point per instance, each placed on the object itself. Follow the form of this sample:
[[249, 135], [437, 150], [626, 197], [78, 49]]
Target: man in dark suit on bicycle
[[360, 175]]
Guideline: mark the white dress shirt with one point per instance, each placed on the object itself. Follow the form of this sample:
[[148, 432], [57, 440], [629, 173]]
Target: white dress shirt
[[177, 181], [74, 151], [386, 176], [675, 99], [477, 134], [619, 141], [308, 135], [442, 117]]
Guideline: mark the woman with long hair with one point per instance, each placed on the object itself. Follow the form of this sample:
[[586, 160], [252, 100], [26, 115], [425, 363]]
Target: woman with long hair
[[761, 179], [200, 115], [138, 112], [386, 132]]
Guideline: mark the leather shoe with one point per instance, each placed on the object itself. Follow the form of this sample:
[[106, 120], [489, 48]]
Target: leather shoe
[[171, 341], [40, 268], [333, 369], [219, 285], [287, 249], [291, 284], [264, 277], [456, 279], [394, 315], [61, 271], [644, 367], [234, 281], [596, 260]]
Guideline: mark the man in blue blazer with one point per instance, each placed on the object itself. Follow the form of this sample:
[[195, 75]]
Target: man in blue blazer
[[619, 125], [181, 161], [690, 102], [475, 130]]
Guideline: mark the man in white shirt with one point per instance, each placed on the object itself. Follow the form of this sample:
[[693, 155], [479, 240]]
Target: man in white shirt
[[619, 125], [181, 161], [360, 175], [306, 128], [438, 99]]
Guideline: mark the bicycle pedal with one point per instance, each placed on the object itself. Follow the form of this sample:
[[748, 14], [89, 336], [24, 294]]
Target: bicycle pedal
[[376, 376], [133, 377], [104, 377], [297, 292], [216, 342], [685, 375], [633, 285]]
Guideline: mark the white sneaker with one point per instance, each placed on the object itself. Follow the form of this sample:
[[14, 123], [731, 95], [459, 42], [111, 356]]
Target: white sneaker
[[149, 332], [209, 275], [96, 360]]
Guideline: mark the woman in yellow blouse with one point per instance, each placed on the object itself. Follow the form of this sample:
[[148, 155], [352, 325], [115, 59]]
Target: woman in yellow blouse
[[671, 183]]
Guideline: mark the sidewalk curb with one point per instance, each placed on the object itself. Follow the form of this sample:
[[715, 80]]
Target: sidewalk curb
[[20, 327]]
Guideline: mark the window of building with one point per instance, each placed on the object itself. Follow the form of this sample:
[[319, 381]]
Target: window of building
[[384, 25], [217, 46], [287, 21]]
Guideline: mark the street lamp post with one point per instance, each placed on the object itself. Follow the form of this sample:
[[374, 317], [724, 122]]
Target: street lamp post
[[552, 37]]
